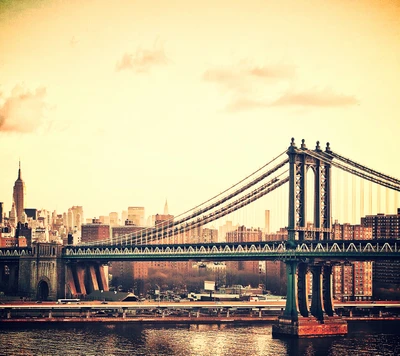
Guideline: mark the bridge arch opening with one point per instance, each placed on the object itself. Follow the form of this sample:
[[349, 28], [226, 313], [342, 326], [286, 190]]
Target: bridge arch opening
[[310, 198], [43, 290]]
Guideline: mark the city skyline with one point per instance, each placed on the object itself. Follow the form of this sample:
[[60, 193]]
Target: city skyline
[[131, 105]]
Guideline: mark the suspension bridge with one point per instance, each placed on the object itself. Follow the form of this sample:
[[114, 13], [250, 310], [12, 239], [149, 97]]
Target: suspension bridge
[[305, 175]]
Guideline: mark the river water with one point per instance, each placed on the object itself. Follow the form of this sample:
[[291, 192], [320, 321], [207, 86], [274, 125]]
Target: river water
[[368, 338]]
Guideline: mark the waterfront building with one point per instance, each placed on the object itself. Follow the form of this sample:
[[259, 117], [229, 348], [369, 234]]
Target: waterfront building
[[275, 271], [243, 234], [386, 273], [7, 237], [95, 231], [1, 213], [128, 272], [353, 280]]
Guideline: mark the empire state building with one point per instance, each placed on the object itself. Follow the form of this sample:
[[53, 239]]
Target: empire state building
[[19, 195]]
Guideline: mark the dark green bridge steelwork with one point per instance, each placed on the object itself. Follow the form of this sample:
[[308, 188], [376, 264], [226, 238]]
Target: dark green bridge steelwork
[[334, 251]]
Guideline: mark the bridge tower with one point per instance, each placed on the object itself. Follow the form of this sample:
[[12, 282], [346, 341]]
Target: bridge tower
[[299, 319], [42, 273]]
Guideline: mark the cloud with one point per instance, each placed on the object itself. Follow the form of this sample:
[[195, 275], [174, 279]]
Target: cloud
[[322, 99], [243, 77], [254, 87], [23, 110], [325, 98], [143, 59]]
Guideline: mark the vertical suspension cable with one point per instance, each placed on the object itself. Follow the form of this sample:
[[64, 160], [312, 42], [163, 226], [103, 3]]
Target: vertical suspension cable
[[370, 199], [387, 210], [362, 198], [354, 199], [378, 199], [336, 201], [345, 197]]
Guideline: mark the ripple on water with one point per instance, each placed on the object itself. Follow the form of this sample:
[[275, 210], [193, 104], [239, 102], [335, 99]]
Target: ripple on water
[[183, 340]]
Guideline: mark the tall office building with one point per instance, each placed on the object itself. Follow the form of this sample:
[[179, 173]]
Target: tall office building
[[136, 215], [124, 216], [113, 216], [19, 195], [77, 221]]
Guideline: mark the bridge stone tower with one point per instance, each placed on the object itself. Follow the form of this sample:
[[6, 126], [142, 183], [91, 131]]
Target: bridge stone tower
[[298, 318], [300, 161], [42, 274]]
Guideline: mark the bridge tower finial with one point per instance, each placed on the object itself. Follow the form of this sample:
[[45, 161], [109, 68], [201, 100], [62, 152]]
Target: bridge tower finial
[[303, 144], [292, 148], [328, 148], [318, 147]]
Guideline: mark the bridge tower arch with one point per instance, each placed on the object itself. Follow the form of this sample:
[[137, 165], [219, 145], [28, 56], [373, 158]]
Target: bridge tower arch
[[43, 289]]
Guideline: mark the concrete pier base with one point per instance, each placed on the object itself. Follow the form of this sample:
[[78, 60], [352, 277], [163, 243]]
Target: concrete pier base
[[310, 327]]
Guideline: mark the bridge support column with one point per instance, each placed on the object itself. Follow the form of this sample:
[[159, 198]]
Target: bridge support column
[[327, 290], [296, 321], [302, 289], [291, 310], [70, 281], [317, 309], [93, 278], [80, 273], [103, 274]]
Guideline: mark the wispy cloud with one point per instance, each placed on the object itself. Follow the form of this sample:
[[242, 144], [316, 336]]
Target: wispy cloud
[[23, 110], [243, 76], [252, 87], [324, 98], [143, 59], [313, 98]]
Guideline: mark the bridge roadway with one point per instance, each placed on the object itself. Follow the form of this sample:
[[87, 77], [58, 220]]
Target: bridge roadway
[[272, 305], [324, 250]]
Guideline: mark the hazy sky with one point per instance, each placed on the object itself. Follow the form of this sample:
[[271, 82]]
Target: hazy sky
[[111, 104]]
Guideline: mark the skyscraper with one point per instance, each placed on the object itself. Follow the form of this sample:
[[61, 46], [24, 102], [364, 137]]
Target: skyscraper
[[19, 195], [136, 214]]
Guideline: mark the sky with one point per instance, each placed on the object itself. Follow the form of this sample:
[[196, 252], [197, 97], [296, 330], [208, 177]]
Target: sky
[[129, 103]]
